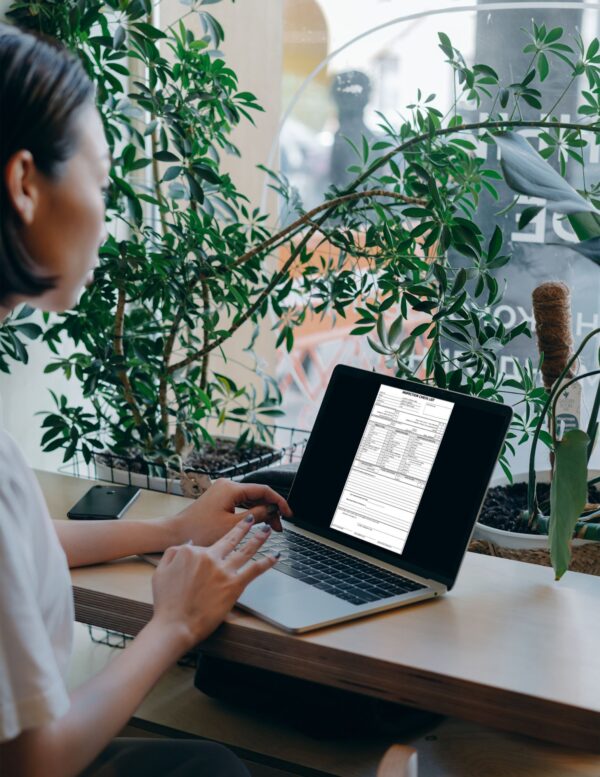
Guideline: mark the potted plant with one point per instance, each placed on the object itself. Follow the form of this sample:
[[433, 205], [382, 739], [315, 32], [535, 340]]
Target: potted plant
[[542, 518], [167, 293], [553, 517]]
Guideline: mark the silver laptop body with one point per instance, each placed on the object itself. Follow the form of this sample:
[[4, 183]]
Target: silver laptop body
[[297, 606]]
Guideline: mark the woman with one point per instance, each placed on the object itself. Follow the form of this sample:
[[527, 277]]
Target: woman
[[54, 165]]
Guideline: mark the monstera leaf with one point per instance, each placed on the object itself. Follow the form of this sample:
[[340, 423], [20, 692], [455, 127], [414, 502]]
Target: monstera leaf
[[568, 495]]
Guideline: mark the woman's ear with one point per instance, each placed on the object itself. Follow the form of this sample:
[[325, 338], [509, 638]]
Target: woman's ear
[[21, 180]]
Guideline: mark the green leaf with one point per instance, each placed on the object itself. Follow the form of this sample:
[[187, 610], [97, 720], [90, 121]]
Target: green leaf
[[118, 37], [445, 45], [381, 332], [420, 329], [395, 332], [166, 156], [439, 375], [418, 213], [149, 31], [593, 48], [29, 330], [528, 214], [495, 244], [207, 173], [585, 225], [459, 281], [378, 348], [568, 495], [543, 66], [554, 35], [172, 172]]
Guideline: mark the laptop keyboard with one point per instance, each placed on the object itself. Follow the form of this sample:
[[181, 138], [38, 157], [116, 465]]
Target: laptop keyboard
[[345, 576]]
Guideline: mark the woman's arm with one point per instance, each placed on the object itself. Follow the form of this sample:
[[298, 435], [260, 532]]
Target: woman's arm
[[99, 710], [93, 542], [204, 522], [193, 588]]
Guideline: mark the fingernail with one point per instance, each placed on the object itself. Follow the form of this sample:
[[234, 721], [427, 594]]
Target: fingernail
[[249, 518], [276, 555], [264, 527]]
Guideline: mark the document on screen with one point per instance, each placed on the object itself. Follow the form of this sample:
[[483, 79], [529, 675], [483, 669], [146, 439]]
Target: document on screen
[[391, 467]]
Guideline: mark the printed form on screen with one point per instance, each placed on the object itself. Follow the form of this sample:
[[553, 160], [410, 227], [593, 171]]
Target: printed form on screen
[[391, 467]]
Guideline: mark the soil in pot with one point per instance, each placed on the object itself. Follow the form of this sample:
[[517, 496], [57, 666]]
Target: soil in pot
[[212, 459], [504, 506]]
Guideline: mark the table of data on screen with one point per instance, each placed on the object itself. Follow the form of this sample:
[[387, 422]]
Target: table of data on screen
[[391, 467]]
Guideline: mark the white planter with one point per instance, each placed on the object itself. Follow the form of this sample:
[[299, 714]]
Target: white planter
[[518, 540]]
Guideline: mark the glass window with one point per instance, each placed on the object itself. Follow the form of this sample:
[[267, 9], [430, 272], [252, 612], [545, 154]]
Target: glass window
[[346, 64]]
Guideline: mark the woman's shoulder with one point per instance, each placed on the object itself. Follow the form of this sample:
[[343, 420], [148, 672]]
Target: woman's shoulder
[[12, 462], [19, 492]]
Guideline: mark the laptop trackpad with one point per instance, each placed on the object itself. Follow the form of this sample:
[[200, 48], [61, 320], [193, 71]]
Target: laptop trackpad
[[290, 602]]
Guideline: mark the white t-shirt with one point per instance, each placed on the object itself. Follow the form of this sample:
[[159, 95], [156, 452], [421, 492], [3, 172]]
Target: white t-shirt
[[36, 602]]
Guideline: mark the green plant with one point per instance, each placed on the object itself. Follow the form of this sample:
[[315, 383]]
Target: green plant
[[14, 333], [568, 515], [194, 263], [167, 293]]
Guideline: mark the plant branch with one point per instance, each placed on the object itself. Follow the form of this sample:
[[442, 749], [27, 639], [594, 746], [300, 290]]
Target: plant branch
[[403, 147], [592, 429], [205, 330], [308, 218], [163, 382], [561, 95], [119, 351], [156, 181]]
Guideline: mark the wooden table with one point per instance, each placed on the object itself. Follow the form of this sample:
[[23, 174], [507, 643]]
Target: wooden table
[[455, 748], [507, 648]]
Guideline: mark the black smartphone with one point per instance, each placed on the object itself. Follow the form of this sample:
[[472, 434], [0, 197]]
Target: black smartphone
[[104, 502]]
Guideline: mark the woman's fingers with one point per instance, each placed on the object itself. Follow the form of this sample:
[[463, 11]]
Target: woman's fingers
[[255, 568], [267, 513], [229, 541], [168, 555], [241, 556], [259, 494]]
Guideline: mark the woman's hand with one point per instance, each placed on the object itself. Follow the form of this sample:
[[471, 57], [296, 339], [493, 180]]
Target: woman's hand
[[214, 513], [194, 588]]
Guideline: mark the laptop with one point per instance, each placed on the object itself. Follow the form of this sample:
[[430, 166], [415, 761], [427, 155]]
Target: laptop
[[385, 501]]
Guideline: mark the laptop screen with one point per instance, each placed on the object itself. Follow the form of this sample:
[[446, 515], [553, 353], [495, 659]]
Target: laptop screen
[[391, 467], [398, 470]]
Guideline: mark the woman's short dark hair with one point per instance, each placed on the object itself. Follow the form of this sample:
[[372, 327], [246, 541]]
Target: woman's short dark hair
[[42, 87]]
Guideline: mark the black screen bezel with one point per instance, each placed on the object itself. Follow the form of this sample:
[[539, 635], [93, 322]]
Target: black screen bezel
[[349, 382]]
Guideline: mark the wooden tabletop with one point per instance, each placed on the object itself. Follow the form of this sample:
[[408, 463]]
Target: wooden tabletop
[[508, 647]]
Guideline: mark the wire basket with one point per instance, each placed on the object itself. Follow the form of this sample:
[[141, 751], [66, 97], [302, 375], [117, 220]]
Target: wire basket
[[118, 640], [288, 446]]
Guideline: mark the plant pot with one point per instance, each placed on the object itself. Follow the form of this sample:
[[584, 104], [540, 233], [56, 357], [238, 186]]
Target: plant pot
[[192, 481], [532, 548]]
